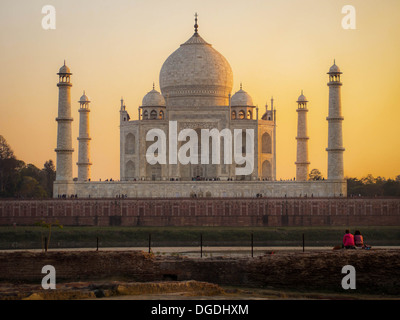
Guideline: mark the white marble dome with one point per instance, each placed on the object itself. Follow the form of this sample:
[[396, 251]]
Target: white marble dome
[[241, 99], [302, 98], [64, 70], [334, 69], [153, 99], [196, 74], [84, 98]]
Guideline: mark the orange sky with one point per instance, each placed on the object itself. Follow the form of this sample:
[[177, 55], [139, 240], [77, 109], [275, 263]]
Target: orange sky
[[275, 48]]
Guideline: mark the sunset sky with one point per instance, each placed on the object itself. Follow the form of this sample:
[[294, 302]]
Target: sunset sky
[[275, 48]]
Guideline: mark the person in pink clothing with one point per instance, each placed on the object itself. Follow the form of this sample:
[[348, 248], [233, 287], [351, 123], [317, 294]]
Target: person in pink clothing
[[348, 240], [358, 239]]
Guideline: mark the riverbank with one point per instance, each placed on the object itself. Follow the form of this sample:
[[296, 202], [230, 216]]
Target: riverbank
[[206, 251], [286, 271]]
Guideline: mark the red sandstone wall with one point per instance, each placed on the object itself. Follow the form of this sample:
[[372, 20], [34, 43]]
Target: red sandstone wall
[[27, 266], [204, 212]]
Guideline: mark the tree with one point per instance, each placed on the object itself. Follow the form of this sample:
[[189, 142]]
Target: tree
[[391, 188], [48, 226], [355, 186], [5, 150], [368, 179], [30, 170], [18, 179], [29, 187], [9, 170], [5, 154], [373, 186], [45, 177], [315, 174], [49, 176], [369, 186]]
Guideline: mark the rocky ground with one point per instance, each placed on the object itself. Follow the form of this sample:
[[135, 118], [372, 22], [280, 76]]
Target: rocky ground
[[168, 290], [274, 275], [109, 289]]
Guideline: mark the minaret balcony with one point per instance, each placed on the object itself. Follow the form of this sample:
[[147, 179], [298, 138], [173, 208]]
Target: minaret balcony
[[64, 119], [64, 84], [84, 138], [335, 118], [334, 83], [340, 149], [64, 150]]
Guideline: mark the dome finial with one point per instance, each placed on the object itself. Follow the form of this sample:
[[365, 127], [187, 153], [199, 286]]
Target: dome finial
[[153, 86], [196, 26], [241, 86], [84, 99]]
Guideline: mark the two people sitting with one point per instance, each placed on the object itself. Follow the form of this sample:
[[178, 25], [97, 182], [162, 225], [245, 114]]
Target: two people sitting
[[354, 241]]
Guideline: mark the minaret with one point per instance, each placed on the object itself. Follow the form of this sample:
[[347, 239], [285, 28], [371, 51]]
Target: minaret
[[302, 163], [273, 110], [335, 139], [84, 140], [124, 116], [64, 131]]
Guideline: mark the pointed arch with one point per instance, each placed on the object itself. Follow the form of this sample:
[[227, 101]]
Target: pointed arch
[[129, 170], [153, 115], [266, 143], [249, 115], [266, 170], [130, 143]]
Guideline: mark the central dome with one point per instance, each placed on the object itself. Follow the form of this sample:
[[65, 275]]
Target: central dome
[[196, 75]]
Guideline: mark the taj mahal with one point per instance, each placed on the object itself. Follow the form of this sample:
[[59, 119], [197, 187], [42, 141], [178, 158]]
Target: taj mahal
[[212, 143]]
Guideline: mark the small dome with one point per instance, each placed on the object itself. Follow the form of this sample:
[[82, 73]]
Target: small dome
[[334, 69], [241, 99], [84, 98], [64, 70], [153, 99], [302, 98]]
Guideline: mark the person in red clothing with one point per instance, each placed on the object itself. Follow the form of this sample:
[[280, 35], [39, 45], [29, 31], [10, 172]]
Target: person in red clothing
[[348, 240]]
